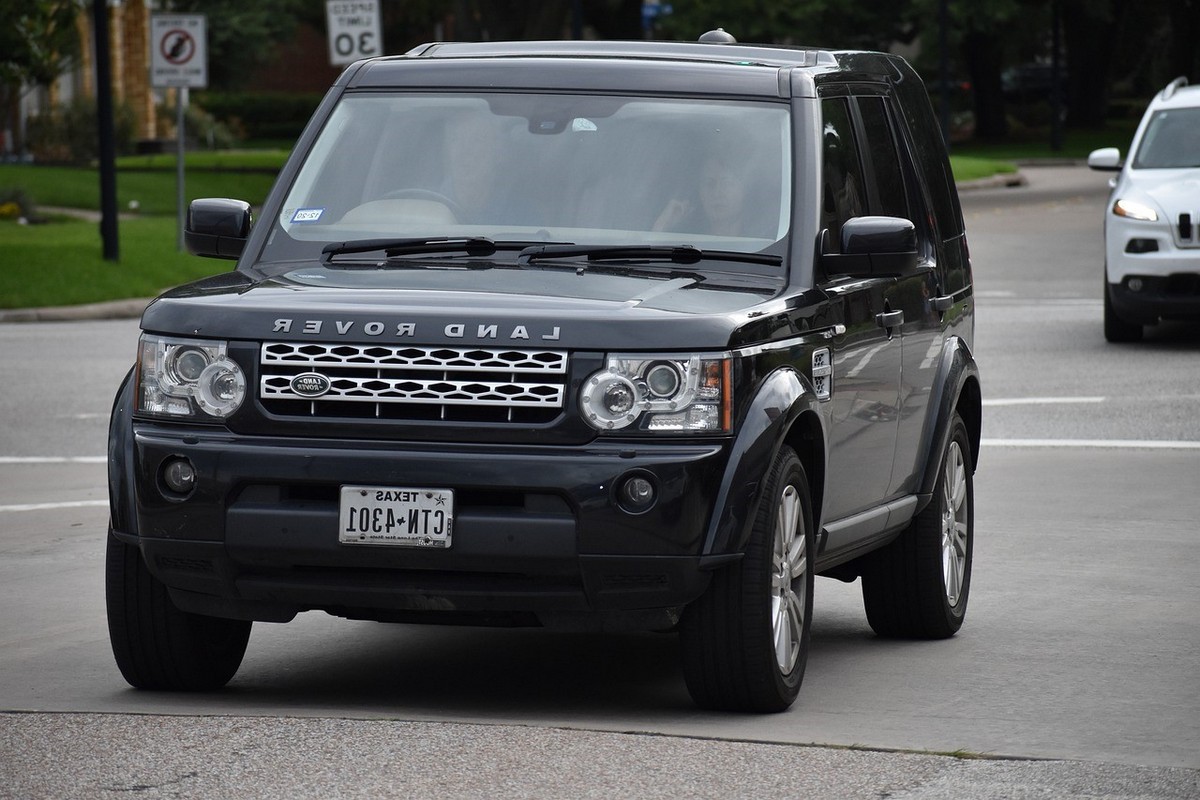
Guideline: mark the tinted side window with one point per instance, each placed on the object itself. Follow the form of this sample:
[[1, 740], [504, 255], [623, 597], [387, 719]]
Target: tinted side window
[[842, 184], [891, 199], [930, 153]]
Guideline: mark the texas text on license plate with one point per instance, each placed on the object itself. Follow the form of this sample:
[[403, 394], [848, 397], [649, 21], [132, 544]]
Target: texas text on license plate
[[392, 515]]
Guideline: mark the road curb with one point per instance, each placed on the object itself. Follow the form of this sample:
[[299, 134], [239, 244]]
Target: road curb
[[115, 309], [1002, 180]]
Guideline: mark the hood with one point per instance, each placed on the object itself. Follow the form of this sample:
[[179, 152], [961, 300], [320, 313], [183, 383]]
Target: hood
[[1172, 191], [598, 310]]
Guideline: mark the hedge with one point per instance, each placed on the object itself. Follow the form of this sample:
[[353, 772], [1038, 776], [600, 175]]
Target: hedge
[[260, 115]]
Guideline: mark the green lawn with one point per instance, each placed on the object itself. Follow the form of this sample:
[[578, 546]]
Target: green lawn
[[59, 263], [969, 168], [154, 192]]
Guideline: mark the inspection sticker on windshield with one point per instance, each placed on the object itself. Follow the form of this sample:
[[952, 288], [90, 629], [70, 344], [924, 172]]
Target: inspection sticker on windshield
[[307, 214], [397, 516]]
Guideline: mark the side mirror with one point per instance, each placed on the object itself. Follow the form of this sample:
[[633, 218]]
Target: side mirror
[[217, 227], [1106, 159], [874, 247]]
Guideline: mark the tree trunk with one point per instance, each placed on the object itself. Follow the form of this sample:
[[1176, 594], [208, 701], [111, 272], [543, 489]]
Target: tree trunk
[[1090, 30], [1184, 55], [984, 58]]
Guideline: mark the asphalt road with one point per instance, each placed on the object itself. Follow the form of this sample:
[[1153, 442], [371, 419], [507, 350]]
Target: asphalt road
[[1081, 649]]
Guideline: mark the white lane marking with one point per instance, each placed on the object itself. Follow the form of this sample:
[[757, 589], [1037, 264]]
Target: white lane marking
[[1009, 298], [1120, 444], [23, 460], [53, 506], [1040, 401], [53, 459]]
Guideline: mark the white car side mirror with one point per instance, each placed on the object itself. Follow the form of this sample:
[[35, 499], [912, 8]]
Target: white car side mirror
[[1107, 159]]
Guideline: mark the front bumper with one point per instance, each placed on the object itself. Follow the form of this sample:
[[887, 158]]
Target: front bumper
[[1134, 247], [1174, 296], [538, 534]]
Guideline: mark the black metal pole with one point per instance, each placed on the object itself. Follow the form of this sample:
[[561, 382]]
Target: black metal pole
[[1056, 98], [104, 123]]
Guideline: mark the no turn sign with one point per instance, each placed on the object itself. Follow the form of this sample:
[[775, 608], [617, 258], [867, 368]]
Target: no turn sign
[[354, 30], [178, 51]]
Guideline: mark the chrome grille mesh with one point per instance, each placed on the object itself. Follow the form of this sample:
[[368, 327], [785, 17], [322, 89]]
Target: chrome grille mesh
[[418, 383]]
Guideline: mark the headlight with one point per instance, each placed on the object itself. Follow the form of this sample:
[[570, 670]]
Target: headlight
[[688, 393], [1134, 210], [188, 379]]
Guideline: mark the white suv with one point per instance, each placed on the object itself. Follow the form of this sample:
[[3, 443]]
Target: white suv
[[1152, 225]]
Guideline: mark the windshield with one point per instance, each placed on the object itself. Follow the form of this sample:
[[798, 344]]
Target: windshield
[[575, 169], [1171, 141]]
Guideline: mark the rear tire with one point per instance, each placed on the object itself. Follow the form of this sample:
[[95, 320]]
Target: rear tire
[[156, 645], [745, 641], [917, 586], [1118, 330]]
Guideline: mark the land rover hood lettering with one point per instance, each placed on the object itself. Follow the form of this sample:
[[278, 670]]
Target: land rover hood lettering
[[456, 330]]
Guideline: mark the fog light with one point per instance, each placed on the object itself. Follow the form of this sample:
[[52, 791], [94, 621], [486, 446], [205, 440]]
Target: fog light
[[636, 494], [1142, 246], [1135, 284], [179, 475]]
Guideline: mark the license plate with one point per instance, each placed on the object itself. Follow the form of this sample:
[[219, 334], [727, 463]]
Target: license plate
[[396, 516]]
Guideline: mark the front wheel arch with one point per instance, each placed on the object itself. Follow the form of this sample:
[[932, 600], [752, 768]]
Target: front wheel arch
[[783, 400]]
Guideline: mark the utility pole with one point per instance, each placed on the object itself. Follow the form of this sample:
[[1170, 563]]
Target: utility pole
[[104, 123], [1056, 95]]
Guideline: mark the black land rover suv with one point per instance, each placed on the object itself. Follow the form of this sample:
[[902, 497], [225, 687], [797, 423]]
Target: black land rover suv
[[632, 335]]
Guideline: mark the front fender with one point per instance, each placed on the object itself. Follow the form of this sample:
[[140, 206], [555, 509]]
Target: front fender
[[121, 503], [956, 390], [780, 400]]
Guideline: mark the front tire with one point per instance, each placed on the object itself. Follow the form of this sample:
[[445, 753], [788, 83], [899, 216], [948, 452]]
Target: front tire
[[1116, 329], [917, 586], [745, 641], [156, 645]]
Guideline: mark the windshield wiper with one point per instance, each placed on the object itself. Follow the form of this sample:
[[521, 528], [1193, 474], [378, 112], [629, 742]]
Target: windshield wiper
[[678, 254], [472, 246]]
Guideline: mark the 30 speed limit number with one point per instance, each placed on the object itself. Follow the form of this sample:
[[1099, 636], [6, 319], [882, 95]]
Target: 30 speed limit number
[[354, 30]]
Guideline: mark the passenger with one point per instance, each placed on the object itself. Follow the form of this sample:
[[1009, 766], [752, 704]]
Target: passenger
[[719, 205]]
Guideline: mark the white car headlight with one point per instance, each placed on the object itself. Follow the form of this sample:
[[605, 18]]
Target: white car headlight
[[675, 393], [1135, 210], [188, 379]]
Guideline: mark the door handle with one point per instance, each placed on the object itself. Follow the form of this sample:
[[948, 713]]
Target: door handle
[[890, 319]]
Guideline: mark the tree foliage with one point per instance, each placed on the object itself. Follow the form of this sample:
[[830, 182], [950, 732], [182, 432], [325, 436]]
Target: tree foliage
[[241, 34], [38, 40]]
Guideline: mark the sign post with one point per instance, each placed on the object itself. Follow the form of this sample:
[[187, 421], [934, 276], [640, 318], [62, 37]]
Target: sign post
[[179, 60], [354, 30]]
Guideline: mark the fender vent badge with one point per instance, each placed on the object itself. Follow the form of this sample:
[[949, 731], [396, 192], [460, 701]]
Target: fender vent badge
[[822, 373]]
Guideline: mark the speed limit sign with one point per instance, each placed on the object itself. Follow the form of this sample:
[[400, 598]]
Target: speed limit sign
[[353, 30]]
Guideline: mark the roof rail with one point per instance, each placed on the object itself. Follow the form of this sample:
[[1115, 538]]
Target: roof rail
[[1178, 83]]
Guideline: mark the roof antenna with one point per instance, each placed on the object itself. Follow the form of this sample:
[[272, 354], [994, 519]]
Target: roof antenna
[[719, 36]]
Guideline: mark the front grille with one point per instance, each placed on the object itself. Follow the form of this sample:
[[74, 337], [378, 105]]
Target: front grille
[[461, 384], [1188, 231]]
